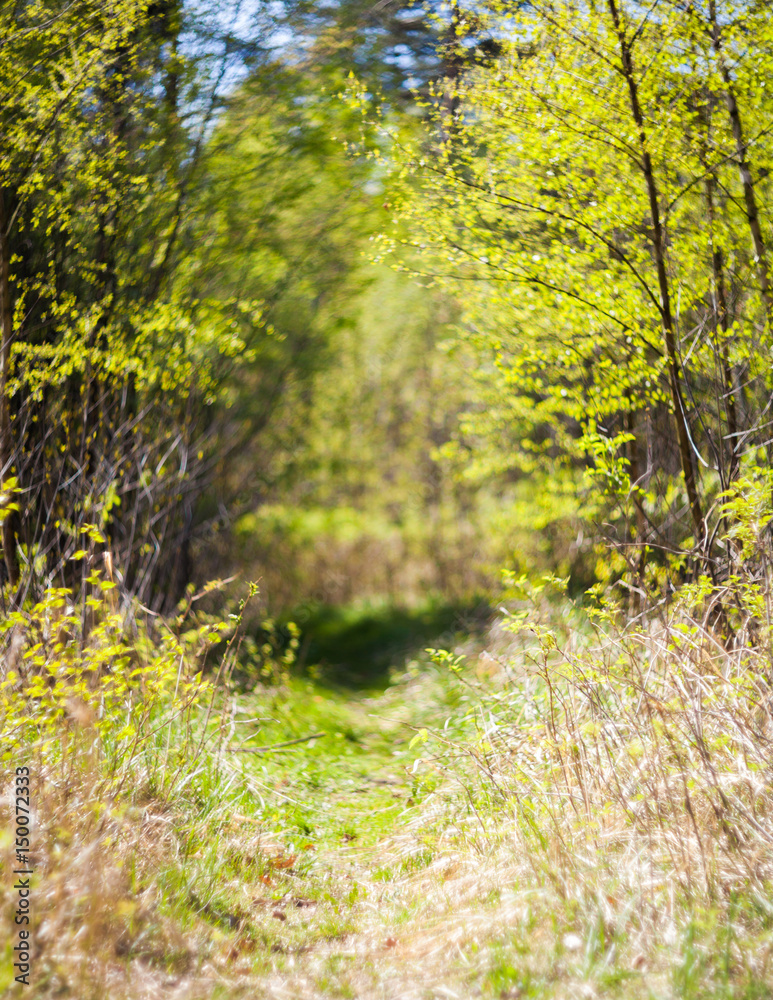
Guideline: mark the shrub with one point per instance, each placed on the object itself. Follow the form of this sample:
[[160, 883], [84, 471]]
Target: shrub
[[105, 708]]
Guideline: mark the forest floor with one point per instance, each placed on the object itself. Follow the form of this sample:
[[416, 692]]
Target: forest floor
[[375, 884], [342, 868], [362, 862]]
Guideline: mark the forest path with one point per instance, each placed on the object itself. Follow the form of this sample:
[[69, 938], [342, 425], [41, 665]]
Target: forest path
[[370, 889]]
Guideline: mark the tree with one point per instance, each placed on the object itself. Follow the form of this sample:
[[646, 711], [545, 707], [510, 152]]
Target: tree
[[398, 48], [570, 205], [53, 59], [109, 362]]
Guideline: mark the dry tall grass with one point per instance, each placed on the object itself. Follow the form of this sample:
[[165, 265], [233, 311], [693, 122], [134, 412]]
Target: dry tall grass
[[592, 815], [635, 764], [106, 722]]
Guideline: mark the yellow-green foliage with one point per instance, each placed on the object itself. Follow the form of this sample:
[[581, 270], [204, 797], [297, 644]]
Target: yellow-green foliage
[[109, 712], [540, 203], [91, 667]]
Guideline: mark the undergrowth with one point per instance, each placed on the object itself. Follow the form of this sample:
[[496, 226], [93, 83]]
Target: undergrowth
[[625, 764], [110, 714], [582, 808]]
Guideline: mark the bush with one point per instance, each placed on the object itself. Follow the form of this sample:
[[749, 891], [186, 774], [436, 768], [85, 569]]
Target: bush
[[628, 764], [108, 712]]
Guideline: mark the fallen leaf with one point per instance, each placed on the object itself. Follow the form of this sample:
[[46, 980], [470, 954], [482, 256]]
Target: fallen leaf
[[279, 915], [282, 861], [240, 947]]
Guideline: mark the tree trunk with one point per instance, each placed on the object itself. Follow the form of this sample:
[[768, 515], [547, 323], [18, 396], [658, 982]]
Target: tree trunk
[[659, 253], [723, 323], [749, 194], [640, 540]]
